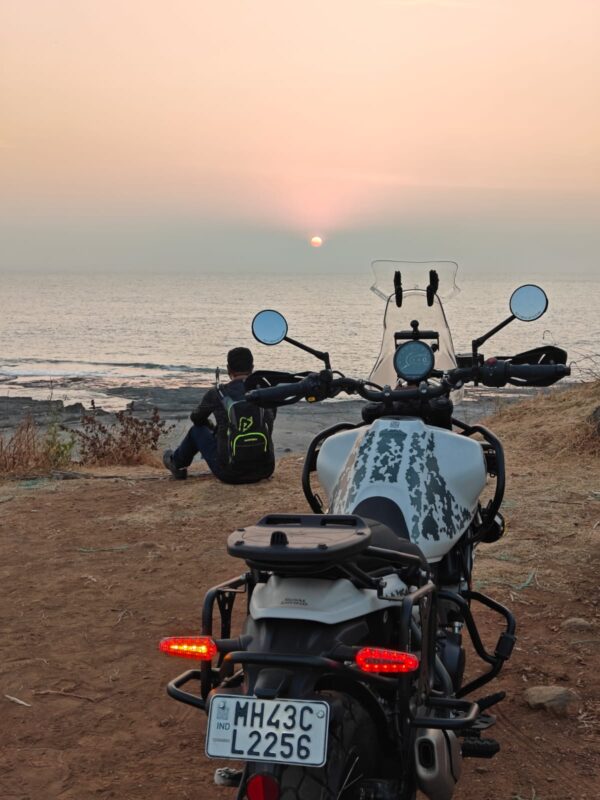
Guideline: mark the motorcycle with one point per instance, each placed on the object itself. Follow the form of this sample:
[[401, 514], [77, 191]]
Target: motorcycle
[[347, 681]]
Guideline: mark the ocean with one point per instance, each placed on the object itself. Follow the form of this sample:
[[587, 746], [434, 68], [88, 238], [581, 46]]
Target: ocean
[[72, 336]]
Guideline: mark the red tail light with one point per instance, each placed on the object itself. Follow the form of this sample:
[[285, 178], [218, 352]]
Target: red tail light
[[262, 787], [199, 647], [374, 659]]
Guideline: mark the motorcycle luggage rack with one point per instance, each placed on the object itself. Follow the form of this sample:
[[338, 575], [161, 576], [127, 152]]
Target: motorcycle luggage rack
[[300, 539], [224, 596], [469, 710], [506, 640]]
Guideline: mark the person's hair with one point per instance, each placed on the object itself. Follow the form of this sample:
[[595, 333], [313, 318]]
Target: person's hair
[[240, 361]]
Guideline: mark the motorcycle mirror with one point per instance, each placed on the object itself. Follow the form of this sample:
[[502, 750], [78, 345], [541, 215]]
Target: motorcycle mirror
[[269, 327], [528, 302]]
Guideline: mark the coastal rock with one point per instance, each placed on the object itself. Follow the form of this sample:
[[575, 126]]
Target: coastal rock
[[551, 698], [576, 624], [75, 408]]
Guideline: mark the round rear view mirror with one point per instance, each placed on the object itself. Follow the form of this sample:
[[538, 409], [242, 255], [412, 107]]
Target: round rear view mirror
[[269, 327], [528, 302]]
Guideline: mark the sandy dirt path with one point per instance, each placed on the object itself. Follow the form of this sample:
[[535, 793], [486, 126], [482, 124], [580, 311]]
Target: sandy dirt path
[[94, 572]]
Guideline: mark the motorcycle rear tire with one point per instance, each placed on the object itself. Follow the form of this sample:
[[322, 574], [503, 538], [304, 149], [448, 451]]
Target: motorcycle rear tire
[[353, 753]]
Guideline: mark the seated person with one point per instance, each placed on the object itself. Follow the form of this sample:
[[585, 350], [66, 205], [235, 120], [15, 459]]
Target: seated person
[[239, 448]]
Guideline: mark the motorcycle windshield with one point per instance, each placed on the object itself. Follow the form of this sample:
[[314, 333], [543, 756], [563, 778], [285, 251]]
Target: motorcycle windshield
[[415, 279], [414, 275]]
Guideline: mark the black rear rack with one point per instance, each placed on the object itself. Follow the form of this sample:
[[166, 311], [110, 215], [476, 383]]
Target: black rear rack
[[310, 542]]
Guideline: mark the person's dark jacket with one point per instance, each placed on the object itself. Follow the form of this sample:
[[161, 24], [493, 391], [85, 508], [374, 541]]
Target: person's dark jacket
[[212, 406]]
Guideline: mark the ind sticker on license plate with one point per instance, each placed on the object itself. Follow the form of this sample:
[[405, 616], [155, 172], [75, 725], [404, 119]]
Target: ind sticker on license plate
[[281, 731]]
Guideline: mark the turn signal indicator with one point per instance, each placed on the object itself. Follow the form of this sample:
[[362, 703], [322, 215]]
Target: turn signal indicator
[[375, 659], [202, 648]]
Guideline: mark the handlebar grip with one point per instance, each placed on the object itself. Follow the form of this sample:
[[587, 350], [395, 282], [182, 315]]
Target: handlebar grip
[[500, 372], [283, 391], [538, 371]]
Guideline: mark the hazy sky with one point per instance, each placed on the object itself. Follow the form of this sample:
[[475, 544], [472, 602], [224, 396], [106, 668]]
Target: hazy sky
[[203, 135]]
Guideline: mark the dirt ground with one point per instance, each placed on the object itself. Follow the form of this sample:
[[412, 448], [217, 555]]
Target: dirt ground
[[95, 571]]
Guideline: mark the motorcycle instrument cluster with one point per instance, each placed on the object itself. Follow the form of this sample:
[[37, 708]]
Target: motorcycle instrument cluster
[[413, 361]]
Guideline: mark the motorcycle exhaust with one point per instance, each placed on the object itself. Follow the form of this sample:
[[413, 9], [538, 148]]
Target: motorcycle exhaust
[[438, 763]]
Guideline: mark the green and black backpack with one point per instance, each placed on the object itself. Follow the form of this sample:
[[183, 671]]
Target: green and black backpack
[[249, 439]]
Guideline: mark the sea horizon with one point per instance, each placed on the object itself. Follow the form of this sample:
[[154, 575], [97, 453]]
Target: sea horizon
[[80, 334]]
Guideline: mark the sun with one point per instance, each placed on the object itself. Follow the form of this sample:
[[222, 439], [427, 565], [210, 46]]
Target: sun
[[316, 241]]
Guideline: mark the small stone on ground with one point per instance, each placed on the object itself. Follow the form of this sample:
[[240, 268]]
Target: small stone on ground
[[551, 698], [576, 624]]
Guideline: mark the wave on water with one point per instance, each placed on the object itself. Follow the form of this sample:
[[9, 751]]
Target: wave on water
[[149, 365]]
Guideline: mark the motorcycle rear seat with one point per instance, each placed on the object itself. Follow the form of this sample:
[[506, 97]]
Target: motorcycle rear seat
[[383, 536], [301, 539]]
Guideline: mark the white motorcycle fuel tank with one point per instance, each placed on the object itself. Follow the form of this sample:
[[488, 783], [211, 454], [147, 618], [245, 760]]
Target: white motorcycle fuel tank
[[433, 476]]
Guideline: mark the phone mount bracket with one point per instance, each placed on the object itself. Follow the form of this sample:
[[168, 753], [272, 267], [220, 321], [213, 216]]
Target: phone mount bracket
[[415, 334]]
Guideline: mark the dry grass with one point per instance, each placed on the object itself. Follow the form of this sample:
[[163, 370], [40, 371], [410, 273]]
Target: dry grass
[[558, 422], [128, 441], [28, 451], [20, 452]]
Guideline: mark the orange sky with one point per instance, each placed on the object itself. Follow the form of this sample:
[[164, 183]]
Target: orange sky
[[314, 115]]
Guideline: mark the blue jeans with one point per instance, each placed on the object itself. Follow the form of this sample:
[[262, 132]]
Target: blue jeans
[[199, 439]]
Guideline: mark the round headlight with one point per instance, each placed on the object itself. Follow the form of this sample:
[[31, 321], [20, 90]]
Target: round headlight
[[413, 361]]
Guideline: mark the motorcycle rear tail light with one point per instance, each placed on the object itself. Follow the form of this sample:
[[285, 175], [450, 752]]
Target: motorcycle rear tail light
[[375, 659], [262, 787], [202, 648]]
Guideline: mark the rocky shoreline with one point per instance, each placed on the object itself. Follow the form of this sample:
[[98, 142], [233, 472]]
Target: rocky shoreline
[[296, 425]]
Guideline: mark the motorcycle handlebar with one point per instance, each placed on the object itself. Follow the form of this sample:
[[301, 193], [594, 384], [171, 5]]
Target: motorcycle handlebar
[[496, 373], [318, 386], [285, 391]]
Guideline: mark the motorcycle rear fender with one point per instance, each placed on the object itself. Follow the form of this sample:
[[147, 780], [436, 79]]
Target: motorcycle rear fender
[[332, 602], [302, 638], [306, 638]]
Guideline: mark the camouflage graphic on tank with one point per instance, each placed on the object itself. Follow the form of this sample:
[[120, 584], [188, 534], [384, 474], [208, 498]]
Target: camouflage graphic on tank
[[388, 454], [375, 456], [436, 512], [340, 498]]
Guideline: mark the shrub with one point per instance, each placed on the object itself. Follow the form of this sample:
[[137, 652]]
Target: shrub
[[126, 441], [28, 450], [57, 448]]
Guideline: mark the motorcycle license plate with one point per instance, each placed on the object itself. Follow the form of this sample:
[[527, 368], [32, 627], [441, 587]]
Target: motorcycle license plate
[[281, 731]]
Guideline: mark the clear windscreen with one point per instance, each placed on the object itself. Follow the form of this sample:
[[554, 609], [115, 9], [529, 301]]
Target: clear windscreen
[[415, 279]]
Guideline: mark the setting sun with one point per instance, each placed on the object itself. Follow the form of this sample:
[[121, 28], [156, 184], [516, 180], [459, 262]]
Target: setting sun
[[316, 241]]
